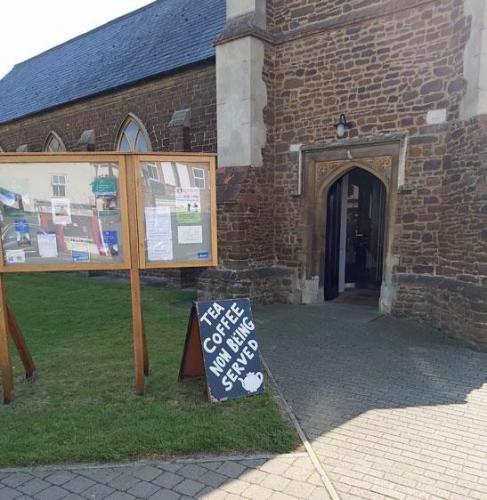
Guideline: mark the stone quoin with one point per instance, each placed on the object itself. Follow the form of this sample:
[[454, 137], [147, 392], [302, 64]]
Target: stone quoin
[[398, 205]]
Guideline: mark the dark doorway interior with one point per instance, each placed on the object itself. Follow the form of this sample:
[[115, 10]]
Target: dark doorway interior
[[355, 225]]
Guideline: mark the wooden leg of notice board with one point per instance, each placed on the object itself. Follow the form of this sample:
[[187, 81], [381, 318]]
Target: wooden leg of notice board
[[138, 331], [22, 349], [5, 361]]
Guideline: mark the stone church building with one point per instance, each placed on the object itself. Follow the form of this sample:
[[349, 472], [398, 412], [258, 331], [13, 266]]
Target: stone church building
[[351, 139]]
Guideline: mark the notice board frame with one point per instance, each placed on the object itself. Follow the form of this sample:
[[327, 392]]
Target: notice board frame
[[46, 158], [132, 225], [183, 158]]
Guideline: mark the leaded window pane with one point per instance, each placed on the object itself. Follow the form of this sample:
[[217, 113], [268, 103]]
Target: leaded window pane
[[133, 138], [124, 145], [141, 144]]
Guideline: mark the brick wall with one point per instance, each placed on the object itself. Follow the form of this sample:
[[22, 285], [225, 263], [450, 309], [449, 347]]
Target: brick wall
[[154, 103]]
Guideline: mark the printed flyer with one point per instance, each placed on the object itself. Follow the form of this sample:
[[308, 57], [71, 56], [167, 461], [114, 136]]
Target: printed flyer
[[61, 211], [190, 235], [80, 251], [188, 205], [105, 190], [47, 244], [15, 256], [158, 228]]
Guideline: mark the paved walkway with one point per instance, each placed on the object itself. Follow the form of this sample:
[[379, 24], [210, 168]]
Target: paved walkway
[[393, 409], [282, 477]]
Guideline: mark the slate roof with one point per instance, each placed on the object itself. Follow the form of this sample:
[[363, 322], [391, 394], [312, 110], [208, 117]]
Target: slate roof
[[156, 39]]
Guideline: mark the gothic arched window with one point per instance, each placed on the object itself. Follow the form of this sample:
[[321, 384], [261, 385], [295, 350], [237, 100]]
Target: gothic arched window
[[54, 143], [133, 136]]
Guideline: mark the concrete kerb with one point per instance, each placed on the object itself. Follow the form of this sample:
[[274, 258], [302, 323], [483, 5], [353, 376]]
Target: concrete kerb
[[309, 449], [154, 462]]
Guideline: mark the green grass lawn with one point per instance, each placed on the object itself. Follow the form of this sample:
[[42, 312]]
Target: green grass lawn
[[82, 408]]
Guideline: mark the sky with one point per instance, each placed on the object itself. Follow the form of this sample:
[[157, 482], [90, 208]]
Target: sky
[[29, 27]]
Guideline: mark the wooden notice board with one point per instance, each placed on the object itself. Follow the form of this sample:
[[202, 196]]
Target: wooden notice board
[[222, 347], [103, 211]]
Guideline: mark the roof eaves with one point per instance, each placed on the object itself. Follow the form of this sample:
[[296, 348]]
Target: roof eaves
[[118, 88]]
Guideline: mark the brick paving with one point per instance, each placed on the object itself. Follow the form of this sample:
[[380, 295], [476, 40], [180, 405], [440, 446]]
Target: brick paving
[[393, 409], [277, 477]]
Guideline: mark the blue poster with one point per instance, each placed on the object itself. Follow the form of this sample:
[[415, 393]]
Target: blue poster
[[81, 257], [7, 197], [22, 232], [230, 349], [21, 227], [111, 242], [110, 238]]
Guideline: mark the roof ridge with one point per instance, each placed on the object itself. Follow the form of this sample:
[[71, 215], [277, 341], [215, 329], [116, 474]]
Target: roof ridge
[[86, 33]]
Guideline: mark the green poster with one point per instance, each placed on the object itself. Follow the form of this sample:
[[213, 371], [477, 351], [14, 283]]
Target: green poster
[[188, 217], [104, 186]]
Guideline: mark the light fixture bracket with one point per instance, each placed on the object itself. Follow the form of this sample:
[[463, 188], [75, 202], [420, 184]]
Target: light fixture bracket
[[343, 125]]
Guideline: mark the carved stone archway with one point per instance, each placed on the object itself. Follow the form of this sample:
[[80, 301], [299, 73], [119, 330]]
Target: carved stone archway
[[328, 172], [323, 167]]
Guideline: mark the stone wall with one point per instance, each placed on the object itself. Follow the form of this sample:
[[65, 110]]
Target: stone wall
[[393, 67], [245, 196], [387, 75], [293, 14], [153, 102], [453, 297], [456, 307], [267, 285]]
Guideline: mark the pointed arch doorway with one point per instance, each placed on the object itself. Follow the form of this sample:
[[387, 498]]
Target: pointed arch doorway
[[355, 230], [374, 166]]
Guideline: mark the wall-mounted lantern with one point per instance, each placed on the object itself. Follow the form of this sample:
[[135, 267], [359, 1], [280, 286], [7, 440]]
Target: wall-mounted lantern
[[342, 126]]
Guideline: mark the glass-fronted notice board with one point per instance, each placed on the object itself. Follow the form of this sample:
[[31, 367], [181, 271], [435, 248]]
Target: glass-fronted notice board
[[63, 215], [102, 211], [107, 211], [176, 213]]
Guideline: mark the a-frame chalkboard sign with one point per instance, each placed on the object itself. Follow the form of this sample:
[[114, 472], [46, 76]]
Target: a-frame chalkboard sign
[[221, 346]]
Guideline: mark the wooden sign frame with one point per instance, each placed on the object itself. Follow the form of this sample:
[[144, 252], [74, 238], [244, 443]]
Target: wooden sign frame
[[133, 234], [144, 263], [227, 326], [81, 159]]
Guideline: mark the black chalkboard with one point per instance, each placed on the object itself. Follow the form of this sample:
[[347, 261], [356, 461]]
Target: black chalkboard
[[221, 345]]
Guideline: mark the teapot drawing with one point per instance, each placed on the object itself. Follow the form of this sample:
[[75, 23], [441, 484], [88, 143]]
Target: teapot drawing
[[252, 381]]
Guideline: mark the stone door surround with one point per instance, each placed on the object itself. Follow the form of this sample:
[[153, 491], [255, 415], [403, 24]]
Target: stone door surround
[[323, 166]]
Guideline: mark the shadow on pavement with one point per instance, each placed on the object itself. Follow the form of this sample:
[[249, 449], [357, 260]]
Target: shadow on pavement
[[390, 406]]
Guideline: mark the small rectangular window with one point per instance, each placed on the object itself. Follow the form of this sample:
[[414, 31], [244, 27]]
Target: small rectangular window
[[183, 175], [58, 185], [168, 174], [152, 172], [199, 178]]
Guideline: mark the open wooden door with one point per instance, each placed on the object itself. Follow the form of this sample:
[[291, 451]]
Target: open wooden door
[[332, 251]]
